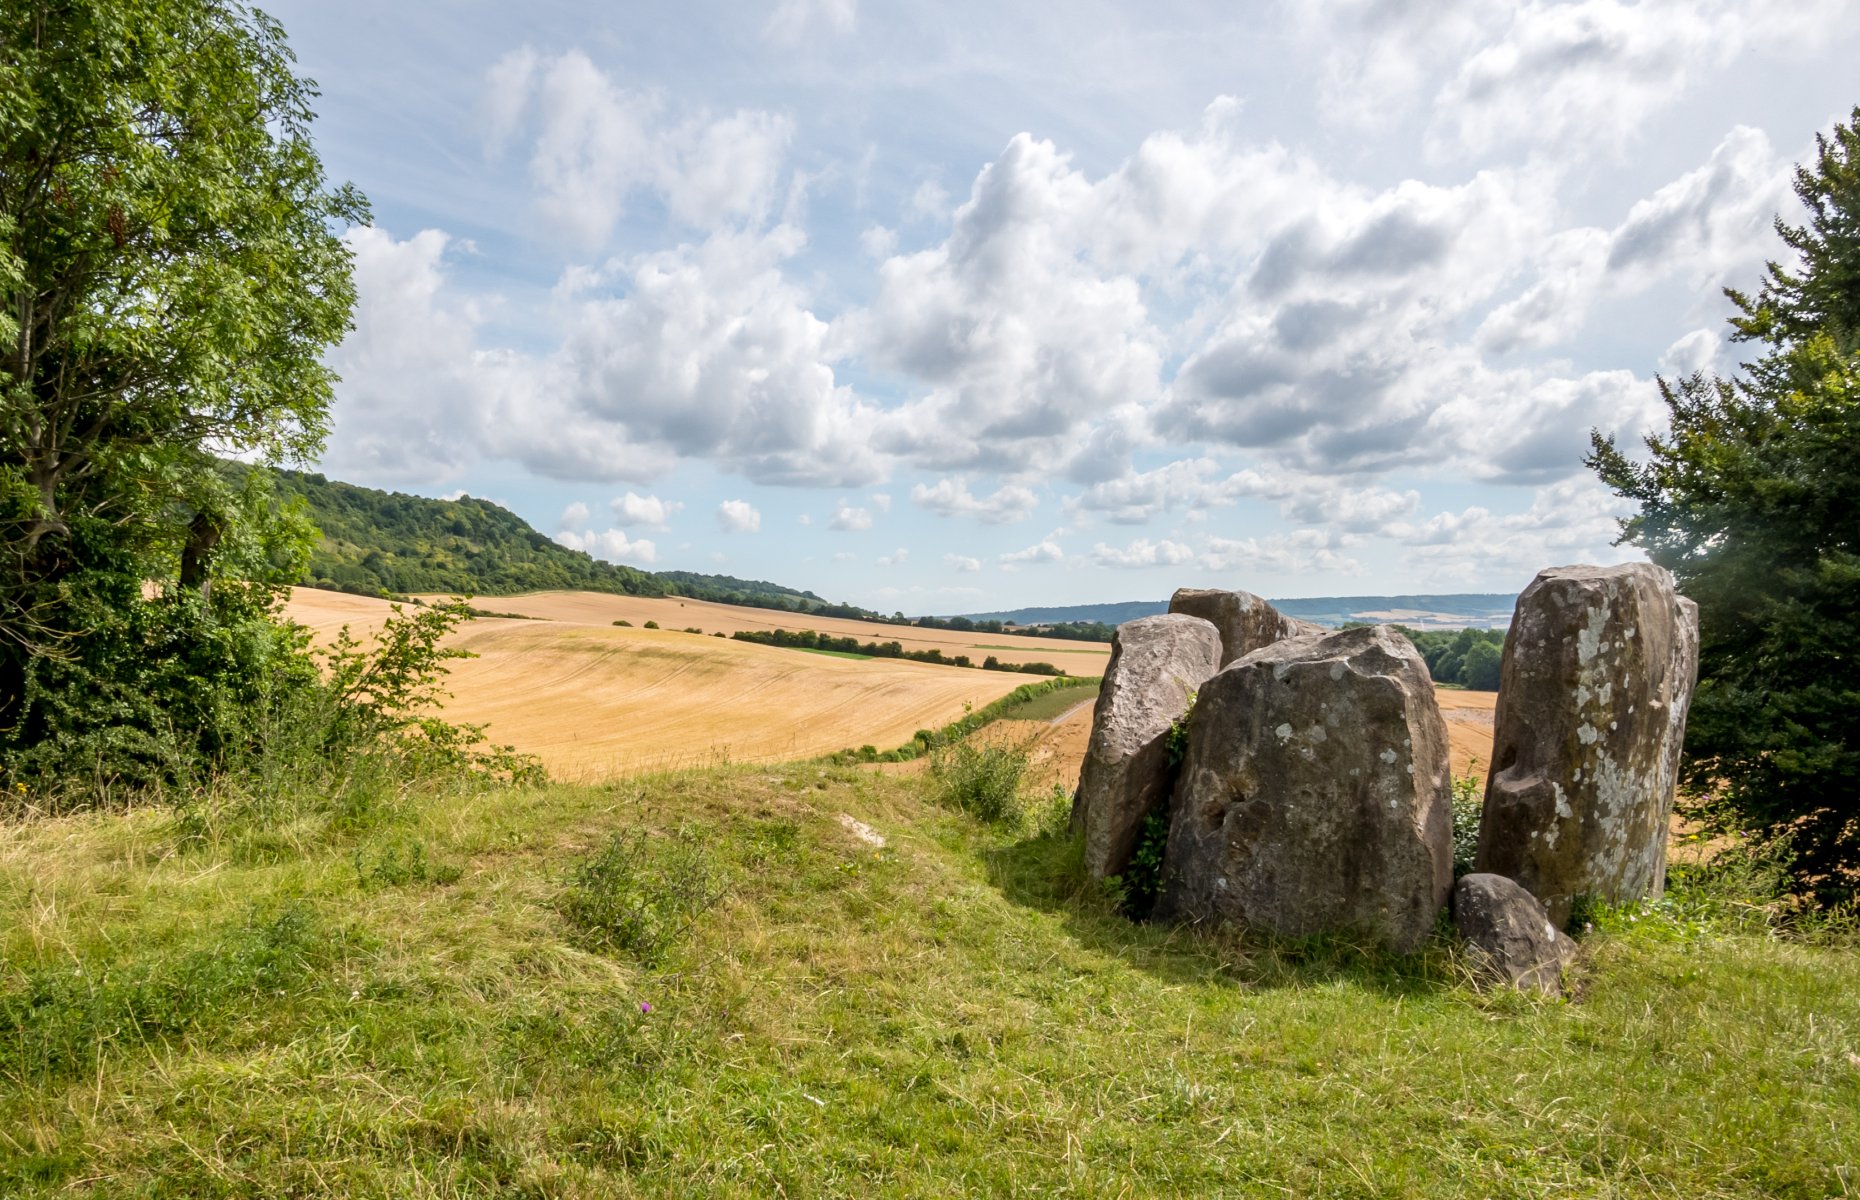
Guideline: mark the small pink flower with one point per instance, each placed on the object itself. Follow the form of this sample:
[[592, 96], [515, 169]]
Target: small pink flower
[[644, 1007]]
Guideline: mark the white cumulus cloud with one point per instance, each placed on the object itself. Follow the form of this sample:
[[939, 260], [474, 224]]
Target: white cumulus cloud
[[850, 518], [738, 516], [613, 545], [951, 498], [1142, 553], [650, 511]]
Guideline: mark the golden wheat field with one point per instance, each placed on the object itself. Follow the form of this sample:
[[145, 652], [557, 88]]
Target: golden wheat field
[[594, 608], [592, 700]]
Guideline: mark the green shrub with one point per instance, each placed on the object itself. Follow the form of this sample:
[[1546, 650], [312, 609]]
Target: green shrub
[[983, 781], [1136, 890], [642, 894], [624, 624], [652, 624], [399, 863], [1468, 805]]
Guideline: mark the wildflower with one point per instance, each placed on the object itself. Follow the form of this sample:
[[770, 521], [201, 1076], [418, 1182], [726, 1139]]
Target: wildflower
[[644, 1007]]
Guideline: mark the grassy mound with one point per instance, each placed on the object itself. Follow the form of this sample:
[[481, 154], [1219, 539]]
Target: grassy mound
[[714, 984]]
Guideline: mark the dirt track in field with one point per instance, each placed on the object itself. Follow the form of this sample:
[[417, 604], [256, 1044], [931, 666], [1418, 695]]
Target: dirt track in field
[[593, 701]]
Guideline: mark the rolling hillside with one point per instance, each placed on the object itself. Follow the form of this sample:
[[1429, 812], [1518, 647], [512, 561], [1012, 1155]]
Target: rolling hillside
[[376, 542]]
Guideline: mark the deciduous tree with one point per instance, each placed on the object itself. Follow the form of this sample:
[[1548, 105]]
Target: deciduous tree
[[171, 272]]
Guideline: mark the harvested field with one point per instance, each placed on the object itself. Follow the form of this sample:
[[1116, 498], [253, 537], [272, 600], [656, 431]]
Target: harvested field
[[595, 608], [593, 700], [1469, 729]]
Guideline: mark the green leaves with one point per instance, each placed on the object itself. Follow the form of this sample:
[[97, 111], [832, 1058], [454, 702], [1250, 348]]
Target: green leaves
[[1752, 499], [171, 273]]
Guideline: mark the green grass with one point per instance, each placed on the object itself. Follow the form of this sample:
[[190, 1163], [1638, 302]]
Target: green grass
[[1052, 704], [459, 1001], [830, 653]]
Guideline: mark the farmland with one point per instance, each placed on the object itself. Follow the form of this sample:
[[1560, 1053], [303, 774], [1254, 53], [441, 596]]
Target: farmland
[[592, 699], [597, 608]]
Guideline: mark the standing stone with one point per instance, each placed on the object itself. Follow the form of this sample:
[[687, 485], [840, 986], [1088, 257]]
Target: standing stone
[[1315, 796], [1592, 701], [1156, 664], [1246, 622], [1509, 936]]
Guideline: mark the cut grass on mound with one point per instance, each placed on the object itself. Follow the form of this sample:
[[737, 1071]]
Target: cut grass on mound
[[302, 1011]]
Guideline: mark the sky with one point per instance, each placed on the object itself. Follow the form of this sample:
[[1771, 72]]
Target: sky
[[967, 306]]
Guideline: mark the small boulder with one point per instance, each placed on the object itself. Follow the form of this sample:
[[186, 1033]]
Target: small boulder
[[1247, 623], [1597, 680], [1509, 936], [1156, 664], [1315, 795]]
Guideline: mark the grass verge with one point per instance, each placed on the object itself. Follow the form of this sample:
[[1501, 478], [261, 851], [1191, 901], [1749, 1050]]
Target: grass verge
[[946, 1014], [1054, 703]]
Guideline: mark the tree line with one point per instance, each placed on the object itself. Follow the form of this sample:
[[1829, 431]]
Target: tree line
[[1468, 658]]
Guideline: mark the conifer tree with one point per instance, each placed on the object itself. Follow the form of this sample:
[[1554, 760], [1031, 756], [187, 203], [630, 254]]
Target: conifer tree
[[1752, 499]]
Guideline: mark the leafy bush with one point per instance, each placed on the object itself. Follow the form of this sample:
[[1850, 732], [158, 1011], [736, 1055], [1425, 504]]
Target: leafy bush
[[1136, 890], [624, 624], [981, 780], [398, 863], [652, 625], [642, 894], [1468, 805]]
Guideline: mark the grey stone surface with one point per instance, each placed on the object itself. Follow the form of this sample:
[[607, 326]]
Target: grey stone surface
[[1247, 623], [1315, 795], [1509, 936], [1597, 680], [1156, 663]]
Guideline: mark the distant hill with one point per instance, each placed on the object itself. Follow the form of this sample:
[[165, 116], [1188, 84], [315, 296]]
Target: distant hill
[[1461, 610], [377, 542], [1107, 614]]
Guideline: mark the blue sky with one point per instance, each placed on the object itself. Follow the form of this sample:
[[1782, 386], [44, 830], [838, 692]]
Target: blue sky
[[955, 307]]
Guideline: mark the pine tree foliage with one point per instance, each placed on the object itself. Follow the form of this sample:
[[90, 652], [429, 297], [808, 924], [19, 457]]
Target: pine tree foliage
[[1752, 499]]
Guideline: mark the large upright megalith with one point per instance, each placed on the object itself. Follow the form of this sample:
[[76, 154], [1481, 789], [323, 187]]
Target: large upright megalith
[[1246, 622], [1592, 701], [1157, 663], [1315, 794]]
